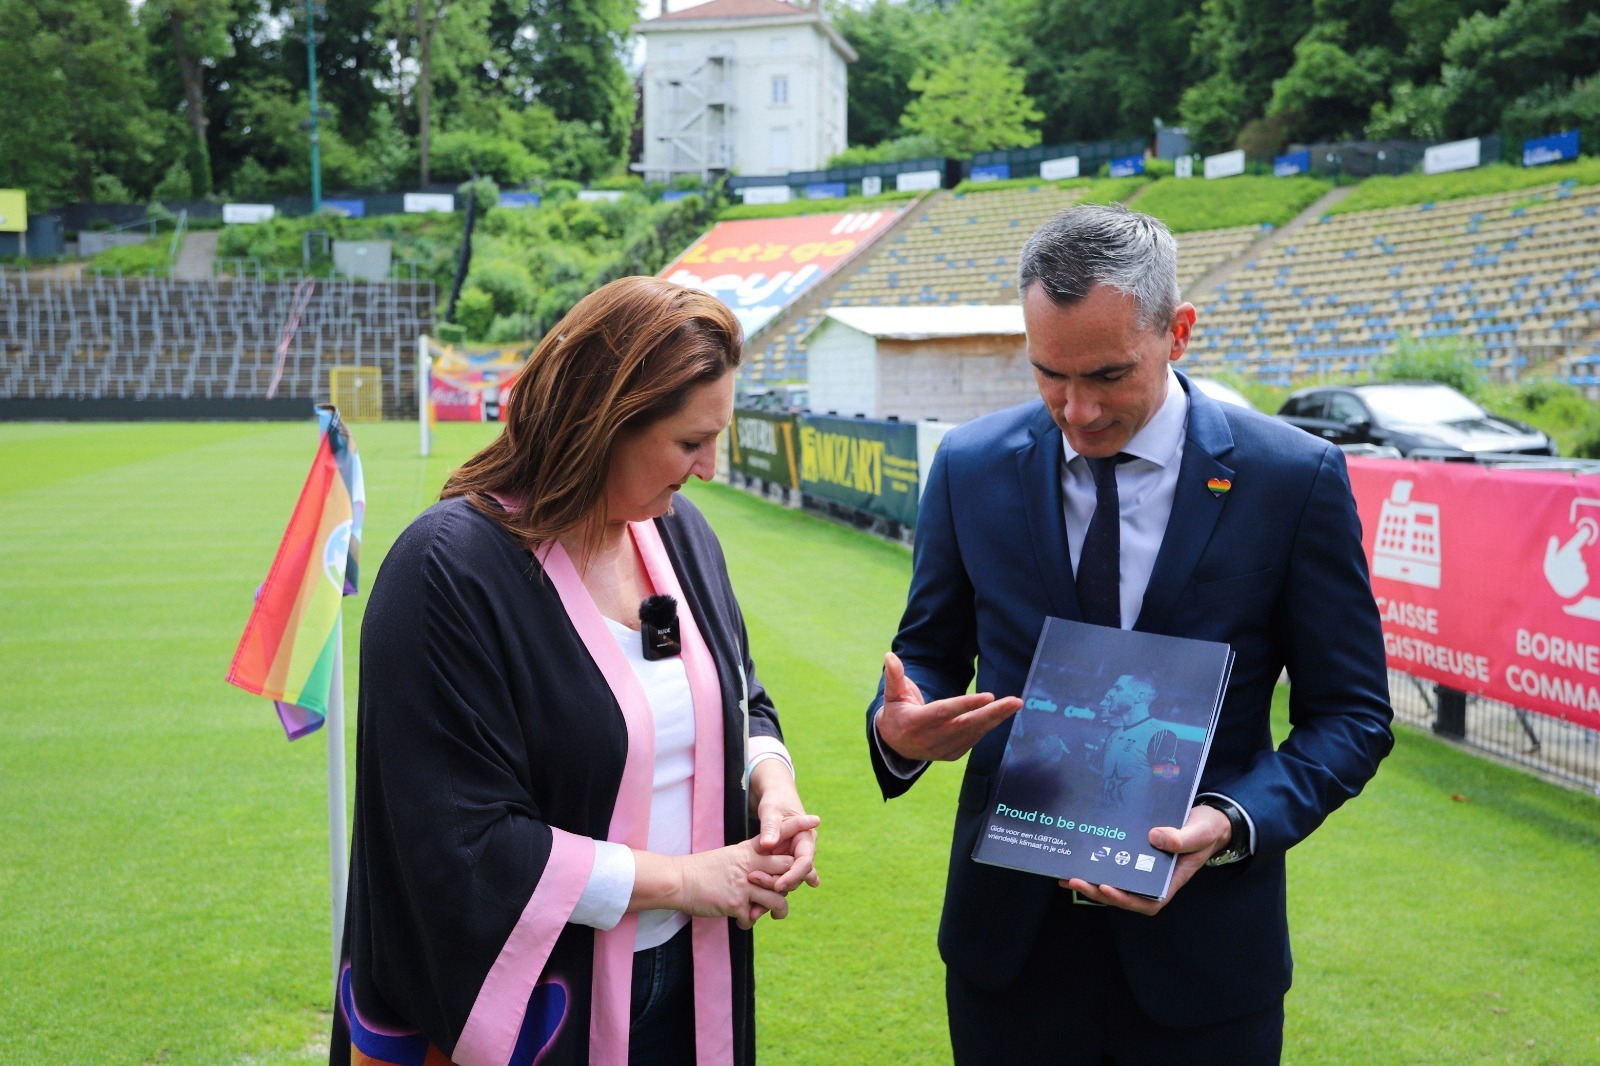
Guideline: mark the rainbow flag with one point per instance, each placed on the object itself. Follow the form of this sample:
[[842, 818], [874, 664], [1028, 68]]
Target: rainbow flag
[[287, 651]]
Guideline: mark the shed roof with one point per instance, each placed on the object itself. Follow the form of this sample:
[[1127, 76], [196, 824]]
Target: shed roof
[[924, 322]]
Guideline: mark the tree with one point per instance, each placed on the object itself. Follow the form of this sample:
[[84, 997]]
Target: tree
[[1118, 68], [892, 41], [444, 38], [1424, 26], [1329, 93], [1518, 69], [974, 102], [571, 53], [267, 132], [1491, 61], [72, 74], [197, 33], [1214, 111], [1240, 47], [1555, 107]]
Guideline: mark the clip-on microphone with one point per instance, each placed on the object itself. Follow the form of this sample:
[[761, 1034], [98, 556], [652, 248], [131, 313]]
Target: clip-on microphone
[[658, 627]]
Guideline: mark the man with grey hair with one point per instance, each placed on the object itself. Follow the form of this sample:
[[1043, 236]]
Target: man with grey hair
[[1127, 498]]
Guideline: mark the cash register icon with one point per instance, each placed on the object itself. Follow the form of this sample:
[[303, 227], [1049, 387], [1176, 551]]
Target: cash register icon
[[1407, 544]]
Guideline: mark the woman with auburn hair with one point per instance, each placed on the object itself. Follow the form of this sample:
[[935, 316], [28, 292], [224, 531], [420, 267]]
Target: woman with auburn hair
[[573, 800]]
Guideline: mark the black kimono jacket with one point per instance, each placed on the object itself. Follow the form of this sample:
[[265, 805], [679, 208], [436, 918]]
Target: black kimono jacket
[[493, 750]]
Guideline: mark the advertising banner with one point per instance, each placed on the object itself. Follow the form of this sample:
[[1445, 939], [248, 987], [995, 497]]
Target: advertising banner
[[246, 214], [417, 203], [918, 180], [470, 384], [519, 199], [1128, 166], [872, 185], [1556, 148], [758, 266], [1055, 169], [1183, 166], [992, 172], [930, 435], [13, 211], [825, 190], [1225, 165], [1488, 580], [865, 464], [346, 208], [1287, 166], [762, 444], [766, 194], [1456, 155]]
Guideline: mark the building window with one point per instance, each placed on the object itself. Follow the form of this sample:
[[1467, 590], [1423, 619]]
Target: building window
[[780, 89], [675, 50], [780, 150]]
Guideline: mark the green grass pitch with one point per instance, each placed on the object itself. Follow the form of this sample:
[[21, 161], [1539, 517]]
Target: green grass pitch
[[163, 869]]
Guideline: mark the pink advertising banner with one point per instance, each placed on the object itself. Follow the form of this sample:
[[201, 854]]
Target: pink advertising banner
[[1488, 580], [759, 266]]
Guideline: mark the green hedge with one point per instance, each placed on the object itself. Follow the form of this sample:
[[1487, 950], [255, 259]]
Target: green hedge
[[130, 260], [795, 208], [1196, 204], [1408, 189]]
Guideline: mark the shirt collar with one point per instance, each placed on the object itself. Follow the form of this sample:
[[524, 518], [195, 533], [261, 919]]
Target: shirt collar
[[1157, 442]]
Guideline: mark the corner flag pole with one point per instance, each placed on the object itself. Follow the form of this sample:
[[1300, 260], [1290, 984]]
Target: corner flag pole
[[424, 397], [338, 856]]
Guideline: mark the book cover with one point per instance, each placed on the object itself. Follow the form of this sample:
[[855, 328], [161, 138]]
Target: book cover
[[1112, 736]]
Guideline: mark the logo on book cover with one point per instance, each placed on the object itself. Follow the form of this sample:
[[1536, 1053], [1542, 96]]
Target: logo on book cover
[[1123, 858], [1162, 751], [1103, 852], [1145, 863]]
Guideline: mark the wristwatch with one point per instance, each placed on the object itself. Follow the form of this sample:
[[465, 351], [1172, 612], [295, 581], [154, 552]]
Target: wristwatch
[[1239, 838]]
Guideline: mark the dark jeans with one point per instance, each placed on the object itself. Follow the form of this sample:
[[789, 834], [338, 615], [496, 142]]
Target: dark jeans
[[1065, 1008], [662, 1013]]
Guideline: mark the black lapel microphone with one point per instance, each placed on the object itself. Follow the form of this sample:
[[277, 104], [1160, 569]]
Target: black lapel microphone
[[658, 618]]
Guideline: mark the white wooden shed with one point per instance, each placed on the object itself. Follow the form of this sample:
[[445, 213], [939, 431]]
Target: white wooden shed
[[950, 363]]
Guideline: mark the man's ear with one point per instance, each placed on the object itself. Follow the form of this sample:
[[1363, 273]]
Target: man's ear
[[1181, 330]]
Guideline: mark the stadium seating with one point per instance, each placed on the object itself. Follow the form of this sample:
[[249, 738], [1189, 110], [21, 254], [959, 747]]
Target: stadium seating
[[159, 338], [963, 249], [1515, 272]]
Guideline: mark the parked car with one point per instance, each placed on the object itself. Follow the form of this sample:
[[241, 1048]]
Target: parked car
[[1220, 392], [775, 397], [1409, 416]]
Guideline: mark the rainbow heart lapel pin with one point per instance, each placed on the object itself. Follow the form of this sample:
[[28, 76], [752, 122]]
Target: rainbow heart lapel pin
[[1219, 486]]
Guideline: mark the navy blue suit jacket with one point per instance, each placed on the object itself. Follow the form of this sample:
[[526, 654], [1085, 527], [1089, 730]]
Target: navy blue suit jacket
[[1273, 567]]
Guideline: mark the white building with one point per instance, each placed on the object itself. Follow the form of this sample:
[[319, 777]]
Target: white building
[[749, 87], [950, 363]]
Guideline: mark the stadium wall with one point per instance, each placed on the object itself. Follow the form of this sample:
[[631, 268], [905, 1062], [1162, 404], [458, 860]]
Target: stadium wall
[[155, 410]]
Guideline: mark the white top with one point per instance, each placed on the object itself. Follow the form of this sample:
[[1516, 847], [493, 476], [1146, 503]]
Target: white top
[[666, 687]]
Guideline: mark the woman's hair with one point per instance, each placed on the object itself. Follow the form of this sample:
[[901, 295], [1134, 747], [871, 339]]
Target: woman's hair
[[626, 356]]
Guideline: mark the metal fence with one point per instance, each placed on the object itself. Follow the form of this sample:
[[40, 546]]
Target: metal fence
[[1556, 749]]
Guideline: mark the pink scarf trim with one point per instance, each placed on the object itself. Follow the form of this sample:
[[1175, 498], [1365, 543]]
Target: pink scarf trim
[[630, 823]]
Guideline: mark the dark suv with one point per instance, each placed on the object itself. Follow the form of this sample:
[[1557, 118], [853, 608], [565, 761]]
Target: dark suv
[[1409, 416]]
